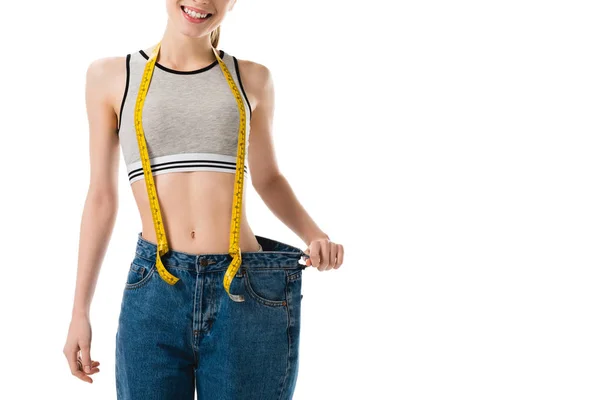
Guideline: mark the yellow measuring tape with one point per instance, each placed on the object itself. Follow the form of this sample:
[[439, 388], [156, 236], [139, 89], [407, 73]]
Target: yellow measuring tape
[[236, 214]]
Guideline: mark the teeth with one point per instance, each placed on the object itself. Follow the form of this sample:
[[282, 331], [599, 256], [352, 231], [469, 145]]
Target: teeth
[[194, 13]]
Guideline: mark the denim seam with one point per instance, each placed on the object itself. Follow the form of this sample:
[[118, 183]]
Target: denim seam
[[210, 313], [196, 358], [140, 255], [287, 367], [136, 271], [294, 276], [252, 266], [252, 293], [144, 280], [136, 262], [177, 268]]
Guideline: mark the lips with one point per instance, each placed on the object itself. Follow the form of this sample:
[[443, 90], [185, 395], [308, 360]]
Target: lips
[[195, 20]]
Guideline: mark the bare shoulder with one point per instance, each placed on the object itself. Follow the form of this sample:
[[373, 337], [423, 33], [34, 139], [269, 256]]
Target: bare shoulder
[[106, 71], [254, 72], [256, 78], [106, 80]]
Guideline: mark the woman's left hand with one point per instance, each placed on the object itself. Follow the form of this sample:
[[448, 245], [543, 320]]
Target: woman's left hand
[[324, 254]]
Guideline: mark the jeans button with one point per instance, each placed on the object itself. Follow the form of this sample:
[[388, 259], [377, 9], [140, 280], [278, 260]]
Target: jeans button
[[204, 262]]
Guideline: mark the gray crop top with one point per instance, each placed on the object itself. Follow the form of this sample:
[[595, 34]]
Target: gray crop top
[[190, 118]]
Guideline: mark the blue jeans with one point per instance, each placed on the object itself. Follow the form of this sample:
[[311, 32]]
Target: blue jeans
[[174, 340]]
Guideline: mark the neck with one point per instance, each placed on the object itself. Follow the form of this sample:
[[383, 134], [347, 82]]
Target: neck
[[182, 52]]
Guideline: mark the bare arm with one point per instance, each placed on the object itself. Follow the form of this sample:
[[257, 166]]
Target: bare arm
[[101, 204], [267, 179]]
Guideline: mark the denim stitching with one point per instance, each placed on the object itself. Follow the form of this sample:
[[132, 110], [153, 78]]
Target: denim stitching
[[177, 268], [140, 255], [144, 280], [196, 358], [253, 266], [138, 270], [287, 368], [210, 313], [271, 303], [294, 276]]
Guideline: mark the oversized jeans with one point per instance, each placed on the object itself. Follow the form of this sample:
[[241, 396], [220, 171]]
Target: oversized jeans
[[174, 340]]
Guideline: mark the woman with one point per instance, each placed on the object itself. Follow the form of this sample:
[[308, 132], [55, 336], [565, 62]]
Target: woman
[[207, 305]]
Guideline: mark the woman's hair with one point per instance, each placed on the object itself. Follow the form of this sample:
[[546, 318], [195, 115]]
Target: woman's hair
[[214, 36]]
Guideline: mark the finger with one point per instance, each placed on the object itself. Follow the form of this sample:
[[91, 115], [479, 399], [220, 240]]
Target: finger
[[326, 251], [94, 371], [315, 256], [307, 262], [332, 255], [75, 371], [95, 368], [323, 256], [85, 357], [340, 256]]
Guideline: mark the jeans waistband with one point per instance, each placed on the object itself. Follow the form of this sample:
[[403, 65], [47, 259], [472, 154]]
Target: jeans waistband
[[274, 254]]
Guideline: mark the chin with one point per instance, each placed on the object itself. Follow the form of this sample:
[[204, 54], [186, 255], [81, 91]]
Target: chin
[[193, 33]]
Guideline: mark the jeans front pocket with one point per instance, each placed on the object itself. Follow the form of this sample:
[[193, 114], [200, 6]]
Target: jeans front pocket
[[266, 286], [140, 273]]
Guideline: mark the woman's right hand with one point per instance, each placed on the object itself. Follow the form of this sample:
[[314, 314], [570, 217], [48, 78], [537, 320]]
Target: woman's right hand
[[77, 349]]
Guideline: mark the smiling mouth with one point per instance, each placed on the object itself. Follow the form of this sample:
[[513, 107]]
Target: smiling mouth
[[194, 14]]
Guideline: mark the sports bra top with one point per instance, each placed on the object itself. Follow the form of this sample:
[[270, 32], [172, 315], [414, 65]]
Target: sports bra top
[[190, 118]]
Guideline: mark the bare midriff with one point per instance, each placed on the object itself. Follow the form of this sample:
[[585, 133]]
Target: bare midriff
[[196, 211]]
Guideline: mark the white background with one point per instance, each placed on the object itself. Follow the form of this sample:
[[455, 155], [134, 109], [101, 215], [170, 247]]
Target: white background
[[451, 147]]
